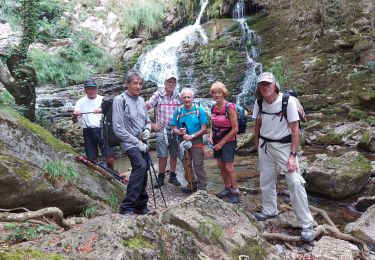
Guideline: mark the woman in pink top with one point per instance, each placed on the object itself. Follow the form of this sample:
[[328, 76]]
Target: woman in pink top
[[223, 137]]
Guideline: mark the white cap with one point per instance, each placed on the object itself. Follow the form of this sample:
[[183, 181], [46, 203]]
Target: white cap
[[170, 76], [268, 77]]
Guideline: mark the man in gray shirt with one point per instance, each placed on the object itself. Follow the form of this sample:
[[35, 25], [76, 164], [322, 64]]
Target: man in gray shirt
[[132, 125]]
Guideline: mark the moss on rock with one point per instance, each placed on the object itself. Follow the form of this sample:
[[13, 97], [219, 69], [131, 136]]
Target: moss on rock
[[138, 242], [330, 138], [21, 254]]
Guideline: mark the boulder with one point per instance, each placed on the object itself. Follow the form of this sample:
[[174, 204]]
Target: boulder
[[25, 149], [334, 249], [364, 227], [212, 221], [338, 177], [246, 144], [201, 226]]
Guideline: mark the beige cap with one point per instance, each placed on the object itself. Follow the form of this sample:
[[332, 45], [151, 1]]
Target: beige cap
[[268, 77]]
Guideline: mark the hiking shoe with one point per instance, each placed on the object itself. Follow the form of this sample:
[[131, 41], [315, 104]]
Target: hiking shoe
[[188, 190], [143, 211], [222, 194], [307, 234], [127, 213], [173, 179], [234, 198], [159, 181], [260, 216]]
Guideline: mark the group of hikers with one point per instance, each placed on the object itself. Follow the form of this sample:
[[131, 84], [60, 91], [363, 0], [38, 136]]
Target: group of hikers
[[181, 127]]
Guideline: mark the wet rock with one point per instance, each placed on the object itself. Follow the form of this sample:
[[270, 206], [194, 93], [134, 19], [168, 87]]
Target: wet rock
[[199, 226], [334, 249], [338, 177], [25, 148], [364, 203], [364, 227]]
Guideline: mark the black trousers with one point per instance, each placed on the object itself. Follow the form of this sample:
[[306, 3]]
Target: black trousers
[[136, 195], [93, 139]]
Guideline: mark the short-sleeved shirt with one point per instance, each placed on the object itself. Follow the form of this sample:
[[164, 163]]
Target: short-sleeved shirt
[[190, 118], [86, 105], [220, 119], [271, 126], [164, 106]]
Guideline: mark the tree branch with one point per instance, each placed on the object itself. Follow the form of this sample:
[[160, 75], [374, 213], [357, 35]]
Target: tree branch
[[54, 212]]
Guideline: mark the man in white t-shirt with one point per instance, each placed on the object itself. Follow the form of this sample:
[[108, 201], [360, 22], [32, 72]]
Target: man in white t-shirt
[[277, 138], [89, 109]]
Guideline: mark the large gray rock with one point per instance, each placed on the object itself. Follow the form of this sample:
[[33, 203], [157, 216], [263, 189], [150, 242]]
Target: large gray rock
[[364, 227], [201, 226], [334, 249], [338, 177], [24, 150], [234, 232]]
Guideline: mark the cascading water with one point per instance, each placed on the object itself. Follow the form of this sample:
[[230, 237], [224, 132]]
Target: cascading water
[[248, 86], [156, 64]]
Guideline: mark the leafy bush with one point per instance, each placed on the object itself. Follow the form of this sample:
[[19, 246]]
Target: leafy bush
[[214, 9], [138, 16], [27, 231], [72, 65], [60, 170]]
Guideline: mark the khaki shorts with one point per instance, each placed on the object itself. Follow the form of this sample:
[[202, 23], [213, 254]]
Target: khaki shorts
[[162, 149]]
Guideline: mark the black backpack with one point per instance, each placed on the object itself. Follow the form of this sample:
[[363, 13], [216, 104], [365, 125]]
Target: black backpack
[[241, 116], [109, 137], [285, 99]]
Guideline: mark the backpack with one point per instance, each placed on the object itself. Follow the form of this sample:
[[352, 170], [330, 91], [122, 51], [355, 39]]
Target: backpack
[[285, 99], [241, 116], [179, 115], [109, 137]]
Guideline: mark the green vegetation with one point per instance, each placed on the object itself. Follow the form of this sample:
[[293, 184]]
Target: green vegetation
[[279, 68], [113, 200], [142, 16], [60, 170], [251, 249], [137, 242], [72, 65], [26, 231], [22, 254], [211, 229], [90, 211], [6, 99], [215, 8]]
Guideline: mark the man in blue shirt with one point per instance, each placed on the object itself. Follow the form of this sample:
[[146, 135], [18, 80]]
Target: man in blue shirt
[[190, 124]]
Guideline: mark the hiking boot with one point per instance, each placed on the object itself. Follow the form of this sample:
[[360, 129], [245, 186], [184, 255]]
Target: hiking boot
[[159, 181], [127, 213], [188, 190], [224, 193], [307, 234], [260, 216], [173, 179], [234, 198], [143, 211]]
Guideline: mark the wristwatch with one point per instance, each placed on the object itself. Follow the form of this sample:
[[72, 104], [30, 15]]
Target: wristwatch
[[193, 135], [293, 154]]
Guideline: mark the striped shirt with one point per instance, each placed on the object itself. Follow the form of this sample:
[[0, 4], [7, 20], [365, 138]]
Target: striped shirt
[[164, 106]]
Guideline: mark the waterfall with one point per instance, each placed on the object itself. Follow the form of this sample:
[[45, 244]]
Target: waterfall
[[248, 86], [162, 60]]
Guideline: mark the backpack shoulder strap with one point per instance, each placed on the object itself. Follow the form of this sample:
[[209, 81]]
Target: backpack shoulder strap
[[260, 104], [284, 104], [227, 109], [197, 110], [123, 101], [179, 113]]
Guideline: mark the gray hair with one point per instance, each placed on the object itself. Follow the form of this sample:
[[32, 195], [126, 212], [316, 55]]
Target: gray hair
[[187, 90], [131, 74]]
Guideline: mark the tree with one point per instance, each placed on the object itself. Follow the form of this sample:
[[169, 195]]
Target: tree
[[15, 74]]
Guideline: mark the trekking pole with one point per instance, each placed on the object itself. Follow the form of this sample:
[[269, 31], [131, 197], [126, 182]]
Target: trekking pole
[[153, 168], [188, 173], [152, 185]]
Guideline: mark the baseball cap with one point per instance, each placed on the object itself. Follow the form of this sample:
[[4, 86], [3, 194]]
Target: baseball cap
[[90, 83], [268, 77], [170, 76]]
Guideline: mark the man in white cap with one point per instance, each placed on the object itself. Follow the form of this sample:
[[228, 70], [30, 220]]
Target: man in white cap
[[277, 137], [165, 103]]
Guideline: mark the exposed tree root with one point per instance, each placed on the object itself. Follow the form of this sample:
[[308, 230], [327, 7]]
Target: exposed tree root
[[325, 229], [54, 212]]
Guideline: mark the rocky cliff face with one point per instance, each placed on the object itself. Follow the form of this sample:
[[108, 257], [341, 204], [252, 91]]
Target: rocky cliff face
[[25, 150]]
